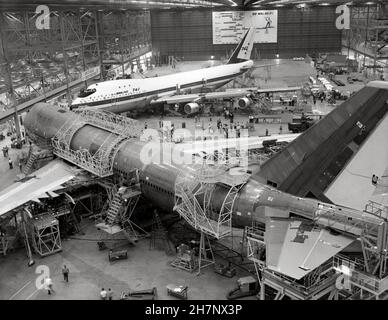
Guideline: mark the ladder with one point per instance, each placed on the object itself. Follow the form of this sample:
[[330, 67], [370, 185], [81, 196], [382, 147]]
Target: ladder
[[159, 232], [118, 220], [30, 163], [114, 208]]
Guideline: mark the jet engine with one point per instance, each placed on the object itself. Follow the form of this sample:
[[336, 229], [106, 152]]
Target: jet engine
[[244, 102], [191, 107]]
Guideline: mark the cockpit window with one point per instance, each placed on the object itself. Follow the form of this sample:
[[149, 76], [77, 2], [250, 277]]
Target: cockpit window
[[86, 92]]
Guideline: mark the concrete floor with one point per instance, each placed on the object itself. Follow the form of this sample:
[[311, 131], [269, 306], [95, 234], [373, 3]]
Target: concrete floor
[[7, 176], [90, 269]]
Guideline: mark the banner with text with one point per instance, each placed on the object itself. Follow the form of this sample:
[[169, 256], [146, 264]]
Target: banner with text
[[230, 26]]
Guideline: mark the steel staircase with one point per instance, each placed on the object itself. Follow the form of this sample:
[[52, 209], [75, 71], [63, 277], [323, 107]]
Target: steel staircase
[[30, 163], [114, 209]]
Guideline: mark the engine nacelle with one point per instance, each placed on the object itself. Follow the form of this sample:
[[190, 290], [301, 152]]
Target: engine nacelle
[[244, 102], [191, 107]]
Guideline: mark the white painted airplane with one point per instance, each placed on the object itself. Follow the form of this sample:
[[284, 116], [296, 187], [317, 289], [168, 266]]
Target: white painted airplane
[[180, 88]]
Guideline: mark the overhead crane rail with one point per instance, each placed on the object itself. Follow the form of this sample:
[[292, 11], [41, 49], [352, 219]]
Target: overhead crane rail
[[101, 162]]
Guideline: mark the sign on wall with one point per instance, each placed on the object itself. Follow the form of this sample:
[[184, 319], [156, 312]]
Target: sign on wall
[[230, 26]]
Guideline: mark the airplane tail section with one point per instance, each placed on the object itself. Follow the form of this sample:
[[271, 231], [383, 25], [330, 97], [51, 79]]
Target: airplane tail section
[[295, 248], [244, 49], [336, 159]]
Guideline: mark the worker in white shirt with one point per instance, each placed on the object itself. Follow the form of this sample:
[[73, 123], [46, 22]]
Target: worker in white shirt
[[103, 294], [49, 285]]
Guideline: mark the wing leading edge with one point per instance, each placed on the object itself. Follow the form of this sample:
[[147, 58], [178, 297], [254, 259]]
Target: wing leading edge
[[43, 184]]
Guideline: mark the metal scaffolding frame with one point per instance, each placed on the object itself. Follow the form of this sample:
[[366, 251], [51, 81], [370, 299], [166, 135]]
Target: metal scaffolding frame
[[367, 276], [368, 33], [119, 209], [193, 202], [36, 62], [125, 35], [317, 284], [101, 162], [71, 43], [45, 235]]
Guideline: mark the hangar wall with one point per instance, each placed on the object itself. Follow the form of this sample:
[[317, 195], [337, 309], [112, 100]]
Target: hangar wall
[[188, 33]]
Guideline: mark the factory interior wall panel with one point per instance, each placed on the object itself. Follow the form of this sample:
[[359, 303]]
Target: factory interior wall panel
[[188, 34]]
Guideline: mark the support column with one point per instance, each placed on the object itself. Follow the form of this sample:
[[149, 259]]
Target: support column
[[262, 290], [99, 39], [28, 248], [203, 260], [82, 44], [7, 74], [65, 61]]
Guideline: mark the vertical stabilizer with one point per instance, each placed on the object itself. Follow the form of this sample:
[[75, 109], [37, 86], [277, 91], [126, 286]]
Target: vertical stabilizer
[[244, 49], [335, 159]]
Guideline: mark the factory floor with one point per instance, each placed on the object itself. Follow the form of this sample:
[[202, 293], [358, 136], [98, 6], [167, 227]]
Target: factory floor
[[7, 175], [90, 271]]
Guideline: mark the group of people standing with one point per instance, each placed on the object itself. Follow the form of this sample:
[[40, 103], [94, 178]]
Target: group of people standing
[[106, 295], [48, 282], [48, 285]]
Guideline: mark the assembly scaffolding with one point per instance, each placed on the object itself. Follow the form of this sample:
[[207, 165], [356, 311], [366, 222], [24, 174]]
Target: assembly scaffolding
[[368, 36], [193, 201], [365, 277], [101, 162]]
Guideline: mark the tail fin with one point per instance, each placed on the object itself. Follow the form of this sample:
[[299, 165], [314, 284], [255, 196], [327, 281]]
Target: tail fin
[[244, 48], [335, 159]]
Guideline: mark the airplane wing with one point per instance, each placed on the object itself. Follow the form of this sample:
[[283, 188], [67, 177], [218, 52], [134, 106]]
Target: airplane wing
[[236, 143], [280, 89], [295, 248], [41, 184], [229, 93]]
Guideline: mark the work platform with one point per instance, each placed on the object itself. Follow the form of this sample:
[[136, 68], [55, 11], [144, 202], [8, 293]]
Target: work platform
[[99, 163], [340, 276], [193, 198]]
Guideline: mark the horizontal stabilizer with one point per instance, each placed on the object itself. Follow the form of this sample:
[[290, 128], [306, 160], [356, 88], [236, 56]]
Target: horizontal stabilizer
[[295, 248]]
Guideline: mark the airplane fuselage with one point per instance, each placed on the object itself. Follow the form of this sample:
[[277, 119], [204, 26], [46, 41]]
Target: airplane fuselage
[[127, 94], [158, 176]]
